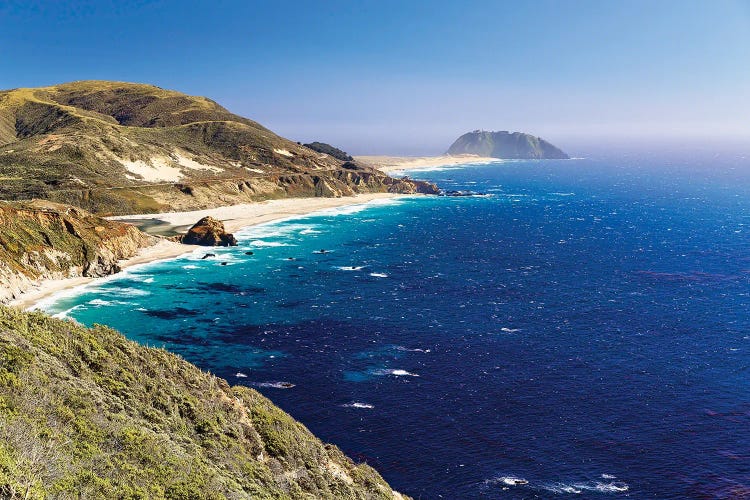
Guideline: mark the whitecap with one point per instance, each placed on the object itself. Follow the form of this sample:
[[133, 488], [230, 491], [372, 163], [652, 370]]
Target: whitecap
[[510, 330], [395, 373], [64, 314], [262, 243], [511, 480], [614, 487], [240, 375], [580, 487], [353, 209], [100, 302], [350, 268], [357, 404], [562, 488], [126, 292], [406, 349], [378, 275], [190, 266], [275, 385]]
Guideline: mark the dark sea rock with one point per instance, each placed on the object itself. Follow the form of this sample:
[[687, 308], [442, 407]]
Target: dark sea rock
[[209, 232]]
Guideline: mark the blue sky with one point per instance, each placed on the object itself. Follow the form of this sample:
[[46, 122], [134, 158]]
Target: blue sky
[[408, 77]]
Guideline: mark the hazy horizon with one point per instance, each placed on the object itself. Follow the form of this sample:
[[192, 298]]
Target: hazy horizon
[[393, 78]]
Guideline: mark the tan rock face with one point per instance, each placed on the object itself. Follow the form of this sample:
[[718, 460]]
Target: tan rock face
[[43, 240], [209, 232]]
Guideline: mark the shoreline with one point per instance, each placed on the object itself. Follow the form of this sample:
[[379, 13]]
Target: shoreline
[[235, 217], [389, 164]]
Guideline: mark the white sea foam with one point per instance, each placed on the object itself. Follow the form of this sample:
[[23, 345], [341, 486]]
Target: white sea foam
[[357, 404], [143, 278], [101, 302], [275, 385], [512, 480], [350, 268], [64, 314], [190, 266], [395, 373], [562, 488], [406, 349], [510, 330], [378, 275], [263, 243], [353, 209], [126, 292], [580, 487], [558, 487], [240, 375]]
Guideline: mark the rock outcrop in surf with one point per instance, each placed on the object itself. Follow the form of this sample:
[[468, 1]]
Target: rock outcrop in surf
[[209, 232]]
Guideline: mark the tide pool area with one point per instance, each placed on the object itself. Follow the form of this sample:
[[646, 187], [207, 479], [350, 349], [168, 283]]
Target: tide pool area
[[576, 327]]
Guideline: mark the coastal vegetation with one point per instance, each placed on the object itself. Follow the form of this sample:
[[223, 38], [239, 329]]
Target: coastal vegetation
[[85, 413], [322, 147]]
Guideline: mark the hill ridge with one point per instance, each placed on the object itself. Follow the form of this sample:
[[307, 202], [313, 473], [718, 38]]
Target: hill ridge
[[161, 149]]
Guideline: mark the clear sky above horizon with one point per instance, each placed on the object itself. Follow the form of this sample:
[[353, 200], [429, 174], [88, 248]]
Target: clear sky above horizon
[[408, 77]]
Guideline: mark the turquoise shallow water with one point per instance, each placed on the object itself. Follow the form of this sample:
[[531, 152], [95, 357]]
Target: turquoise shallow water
[[580, 329]]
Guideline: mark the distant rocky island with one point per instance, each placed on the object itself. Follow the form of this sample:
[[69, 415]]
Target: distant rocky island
[[504, 144]]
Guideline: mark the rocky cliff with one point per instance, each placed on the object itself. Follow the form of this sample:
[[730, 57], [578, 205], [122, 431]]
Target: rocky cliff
[[122, 148], [516, 145], [44, 240], [85, 413]]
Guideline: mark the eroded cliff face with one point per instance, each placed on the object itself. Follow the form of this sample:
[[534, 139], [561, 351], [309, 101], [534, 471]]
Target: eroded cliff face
[[202, 194], [43, 240]]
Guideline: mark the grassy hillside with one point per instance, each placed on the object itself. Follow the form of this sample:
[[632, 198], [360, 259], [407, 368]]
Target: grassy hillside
[[115, 148], [85, 413]]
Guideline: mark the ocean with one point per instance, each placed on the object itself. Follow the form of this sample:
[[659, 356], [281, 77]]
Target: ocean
[[577, 328]]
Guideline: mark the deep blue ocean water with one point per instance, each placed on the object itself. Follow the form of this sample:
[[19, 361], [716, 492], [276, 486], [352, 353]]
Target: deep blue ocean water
[[581, 330]]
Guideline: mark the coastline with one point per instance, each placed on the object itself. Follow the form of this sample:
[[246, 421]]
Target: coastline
[[390, 164], [235, 217]]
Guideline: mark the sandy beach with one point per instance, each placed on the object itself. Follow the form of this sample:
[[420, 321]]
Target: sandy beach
[[396, 163], [235, 217]]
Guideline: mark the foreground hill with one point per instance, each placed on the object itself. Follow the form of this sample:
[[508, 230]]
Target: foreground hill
[[85, 413], [516, 145], [116, 148]]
